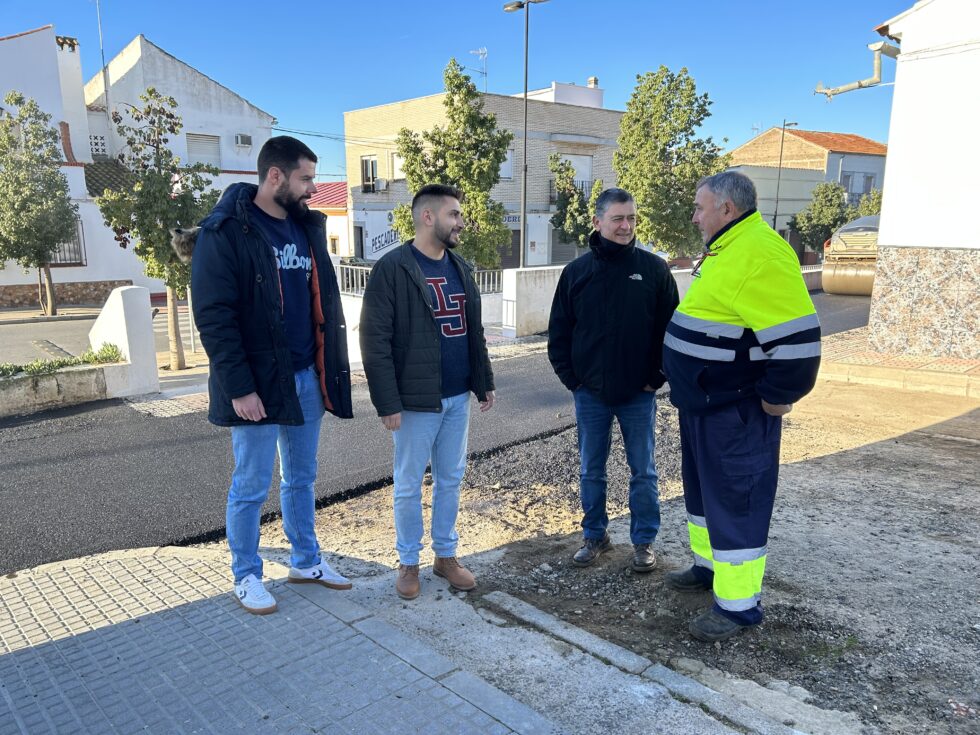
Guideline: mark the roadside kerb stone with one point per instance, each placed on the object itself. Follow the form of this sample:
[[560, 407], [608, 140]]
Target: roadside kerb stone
[[601, 649], [720, 705], [679, 686]]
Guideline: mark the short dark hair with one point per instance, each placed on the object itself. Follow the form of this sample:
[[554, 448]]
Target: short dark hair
[[611, 196], [284, 153], [424, 196]]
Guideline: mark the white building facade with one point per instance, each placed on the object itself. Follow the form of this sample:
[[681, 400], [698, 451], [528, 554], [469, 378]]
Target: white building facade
[[219, 127], [926, 296], [566, 119]]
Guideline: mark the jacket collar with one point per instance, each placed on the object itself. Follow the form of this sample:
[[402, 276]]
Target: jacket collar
[[714, 244], [234, 203], [604, 249]]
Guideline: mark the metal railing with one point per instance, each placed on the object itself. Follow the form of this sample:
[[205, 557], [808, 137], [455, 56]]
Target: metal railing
[[811, 268], [489, 281], [353, 279], [583, 186]]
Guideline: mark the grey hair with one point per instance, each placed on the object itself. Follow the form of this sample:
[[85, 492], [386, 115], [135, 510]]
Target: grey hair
[[734, 186], [611, 196]]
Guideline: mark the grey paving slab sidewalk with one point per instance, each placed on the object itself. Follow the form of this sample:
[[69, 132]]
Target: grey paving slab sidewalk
[[153, 641]]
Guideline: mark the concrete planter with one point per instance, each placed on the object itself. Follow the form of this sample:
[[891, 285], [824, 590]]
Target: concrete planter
[[26, 394]]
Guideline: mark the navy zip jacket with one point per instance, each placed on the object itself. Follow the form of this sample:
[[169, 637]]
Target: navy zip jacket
[[608, 318], [238, 309]]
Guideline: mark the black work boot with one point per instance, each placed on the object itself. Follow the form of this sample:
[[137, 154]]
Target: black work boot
[[687, 581], [713, 626], [644, 560], [590, 551]]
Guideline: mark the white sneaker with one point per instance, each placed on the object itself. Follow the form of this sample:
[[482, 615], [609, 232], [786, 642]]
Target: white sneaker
[[322, 573], [254, 597]]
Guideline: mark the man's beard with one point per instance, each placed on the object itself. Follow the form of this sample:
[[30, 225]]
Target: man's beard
[[295, 206], [445, 237]]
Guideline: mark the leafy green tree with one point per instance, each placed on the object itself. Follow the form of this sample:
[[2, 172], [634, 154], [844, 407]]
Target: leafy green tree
[[870, 203], [573, 216], [661, 158], [466, 152], [164, 194], [36, 211], [827, 210]]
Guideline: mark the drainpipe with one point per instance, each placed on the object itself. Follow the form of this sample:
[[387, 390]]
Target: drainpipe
[[878, 48]]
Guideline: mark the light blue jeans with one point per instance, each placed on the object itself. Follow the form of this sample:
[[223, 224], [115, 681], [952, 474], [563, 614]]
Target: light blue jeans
[[254, 448], [439, 438]]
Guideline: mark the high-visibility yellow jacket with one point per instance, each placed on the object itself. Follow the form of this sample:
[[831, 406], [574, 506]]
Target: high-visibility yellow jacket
[[747, 325]]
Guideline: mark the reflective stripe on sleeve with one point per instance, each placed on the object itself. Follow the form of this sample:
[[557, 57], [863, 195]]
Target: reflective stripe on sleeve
[[778, 331], [706, 353], [785, 352], [706, 326]]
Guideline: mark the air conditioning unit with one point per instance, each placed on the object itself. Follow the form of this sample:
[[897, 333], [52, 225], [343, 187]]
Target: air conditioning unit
[[381, 184], [243, 139]]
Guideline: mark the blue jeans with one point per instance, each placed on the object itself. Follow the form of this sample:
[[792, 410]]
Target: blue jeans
[[441, 439], [636, 420], [254, 448]]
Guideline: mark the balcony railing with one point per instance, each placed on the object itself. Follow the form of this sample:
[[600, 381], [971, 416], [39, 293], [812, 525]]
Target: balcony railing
[[584, 186]]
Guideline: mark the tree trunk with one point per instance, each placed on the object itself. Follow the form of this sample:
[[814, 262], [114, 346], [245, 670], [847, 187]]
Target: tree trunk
[[48, 303], [173, 332]]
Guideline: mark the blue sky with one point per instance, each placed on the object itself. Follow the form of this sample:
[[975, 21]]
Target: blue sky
[[306, 63]]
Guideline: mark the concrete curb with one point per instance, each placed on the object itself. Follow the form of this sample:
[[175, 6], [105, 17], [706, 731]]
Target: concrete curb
[[912, 379], [45, 319], [680, 686]]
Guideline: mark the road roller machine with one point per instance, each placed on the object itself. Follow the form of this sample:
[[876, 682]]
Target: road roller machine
[[849, 258]]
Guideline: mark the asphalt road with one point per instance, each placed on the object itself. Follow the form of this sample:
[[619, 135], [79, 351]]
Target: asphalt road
[[103, 476]]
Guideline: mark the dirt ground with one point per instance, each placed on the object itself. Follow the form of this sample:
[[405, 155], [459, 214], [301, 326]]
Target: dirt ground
[[872, 586]]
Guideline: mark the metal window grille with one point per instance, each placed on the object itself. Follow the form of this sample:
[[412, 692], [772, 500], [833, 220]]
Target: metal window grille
[[72, 253]]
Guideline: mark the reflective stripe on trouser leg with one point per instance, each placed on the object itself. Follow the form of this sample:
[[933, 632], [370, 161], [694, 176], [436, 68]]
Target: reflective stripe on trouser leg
[[700, 543], [738, 585]]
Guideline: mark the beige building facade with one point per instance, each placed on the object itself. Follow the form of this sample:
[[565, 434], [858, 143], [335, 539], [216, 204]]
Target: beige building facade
[[565, 118]]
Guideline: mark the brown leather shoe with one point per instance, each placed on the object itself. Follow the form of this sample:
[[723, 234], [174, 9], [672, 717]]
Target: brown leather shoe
[[459, 577], [407, 585]]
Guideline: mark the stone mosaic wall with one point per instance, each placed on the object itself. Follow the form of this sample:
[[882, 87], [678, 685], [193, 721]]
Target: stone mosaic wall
[[926, 301], [66, 294]]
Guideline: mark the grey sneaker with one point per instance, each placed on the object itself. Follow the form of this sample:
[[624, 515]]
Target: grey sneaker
[[590, 551], [644, 560]]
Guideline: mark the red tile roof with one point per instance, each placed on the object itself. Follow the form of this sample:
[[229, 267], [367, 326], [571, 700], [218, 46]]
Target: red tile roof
[[841, 142], [330, 194]]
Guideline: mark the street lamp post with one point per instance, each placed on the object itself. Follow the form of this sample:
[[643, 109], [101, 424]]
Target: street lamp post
[[513, 7], [779, 170]]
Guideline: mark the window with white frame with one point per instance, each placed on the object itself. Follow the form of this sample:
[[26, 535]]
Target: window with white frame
[[397, 167], [369, 172], [507, 166], [204, 149]]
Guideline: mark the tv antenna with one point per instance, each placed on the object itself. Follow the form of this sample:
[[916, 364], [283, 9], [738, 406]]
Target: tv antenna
[[482, 53]]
